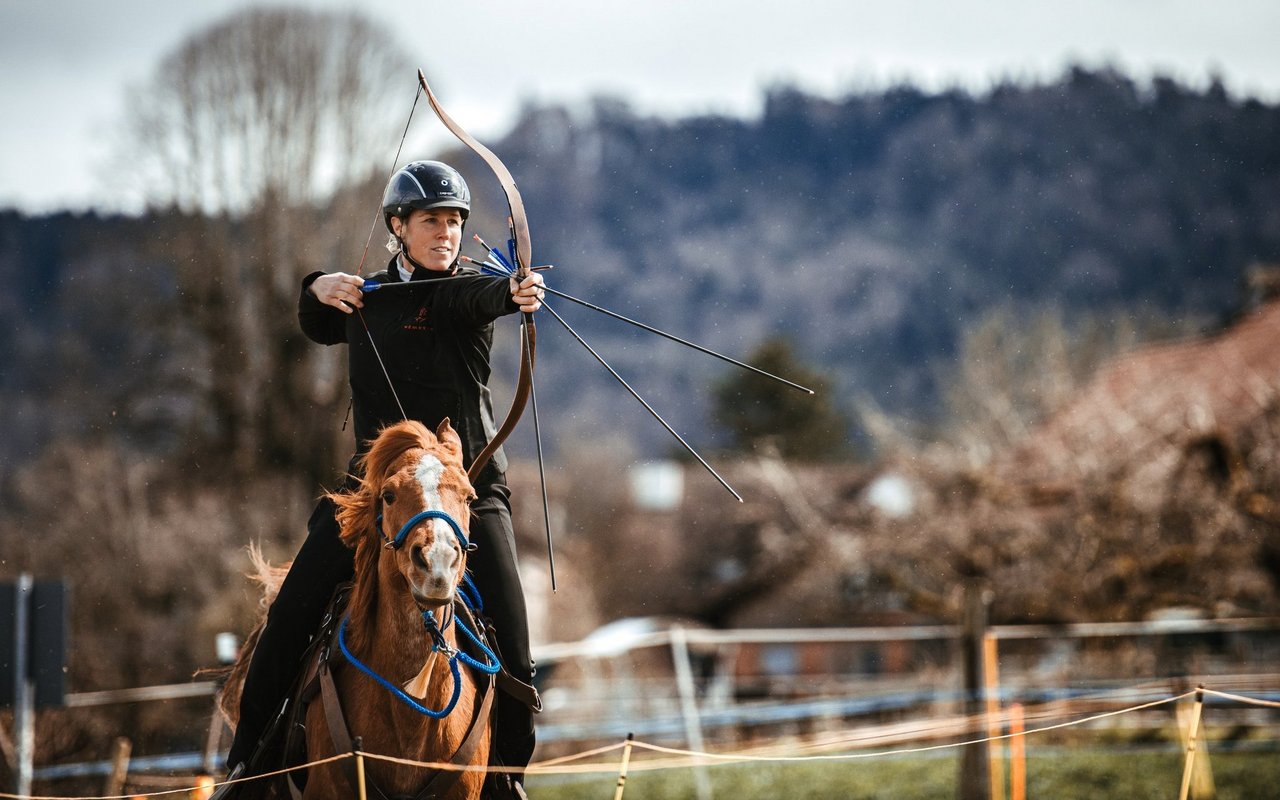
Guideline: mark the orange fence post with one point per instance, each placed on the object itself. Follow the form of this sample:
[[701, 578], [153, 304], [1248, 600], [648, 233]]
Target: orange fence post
[[995, 748], [1017, 754]]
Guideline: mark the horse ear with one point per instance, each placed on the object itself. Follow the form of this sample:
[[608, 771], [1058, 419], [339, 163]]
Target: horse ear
[[448, 436]]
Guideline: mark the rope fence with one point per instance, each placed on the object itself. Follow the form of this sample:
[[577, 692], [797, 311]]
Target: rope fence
[[677, 758]]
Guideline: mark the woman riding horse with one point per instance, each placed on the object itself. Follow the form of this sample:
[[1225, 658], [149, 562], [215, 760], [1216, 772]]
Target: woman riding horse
[[407, 620], [421, 353], [407, 624]]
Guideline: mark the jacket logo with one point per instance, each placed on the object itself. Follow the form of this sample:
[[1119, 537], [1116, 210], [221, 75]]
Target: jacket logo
[[420, 321]]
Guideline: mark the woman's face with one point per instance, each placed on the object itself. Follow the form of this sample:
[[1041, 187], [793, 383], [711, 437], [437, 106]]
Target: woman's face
[[432, 237]]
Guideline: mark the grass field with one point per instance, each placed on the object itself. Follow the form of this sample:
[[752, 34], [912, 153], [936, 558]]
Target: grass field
[[1052, 774]]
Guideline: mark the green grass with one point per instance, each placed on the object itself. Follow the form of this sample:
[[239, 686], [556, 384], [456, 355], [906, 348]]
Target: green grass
[[1052, 774]]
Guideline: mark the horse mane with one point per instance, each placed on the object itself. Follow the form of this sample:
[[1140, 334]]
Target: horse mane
[[358, 510]]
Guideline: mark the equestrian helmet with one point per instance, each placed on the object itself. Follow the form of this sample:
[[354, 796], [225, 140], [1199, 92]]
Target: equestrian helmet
[[425, 184]]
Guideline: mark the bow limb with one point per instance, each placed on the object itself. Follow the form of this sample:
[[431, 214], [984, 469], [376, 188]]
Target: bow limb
[[524, 258], [524, 387], [519, 222]]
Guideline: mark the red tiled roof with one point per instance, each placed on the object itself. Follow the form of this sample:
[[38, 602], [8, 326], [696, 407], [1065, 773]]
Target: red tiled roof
[[1163, 393]]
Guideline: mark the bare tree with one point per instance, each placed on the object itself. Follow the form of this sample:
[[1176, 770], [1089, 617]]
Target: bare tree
[[280, 105], [267, 135], [1078, 501], [1014, 370]]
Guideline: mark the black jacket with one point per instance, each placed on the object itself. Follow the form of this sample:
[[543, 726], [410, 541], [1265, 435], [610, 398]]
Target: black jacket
[[435, 342]]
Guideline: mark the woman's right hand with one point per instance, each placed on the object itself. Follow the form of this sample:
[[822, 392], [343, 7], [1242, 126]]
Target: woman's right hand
[[338, 289]]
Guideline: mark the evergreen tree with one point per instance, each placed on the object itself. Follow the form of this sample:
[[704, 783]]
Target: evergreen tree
[[755, 410]]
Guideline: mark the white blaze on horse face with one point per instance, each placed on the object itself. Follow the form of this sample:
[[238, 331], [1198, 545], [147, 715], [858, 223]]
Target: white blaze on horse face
[[442, 557]]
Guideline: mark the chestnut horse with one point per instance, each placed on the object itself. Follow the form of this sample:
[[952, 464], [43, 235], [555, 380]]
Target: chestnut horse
[[398, 682]]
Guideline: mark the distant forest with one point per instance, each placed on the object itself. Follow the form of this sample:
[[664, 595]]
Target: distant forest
[[870, 231]]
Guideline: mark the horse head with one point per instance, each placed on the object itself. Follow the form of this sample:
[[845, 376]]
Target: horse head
[[409, 518]]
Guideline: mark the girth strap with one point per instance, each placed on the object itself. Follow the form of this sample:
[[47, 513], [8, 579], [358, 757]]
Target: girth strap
[[337, 725]]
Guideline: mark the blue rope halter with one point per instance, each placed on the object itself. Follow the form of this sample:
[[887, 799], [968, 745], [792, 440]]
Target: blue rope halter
[[470, 596], [398, 542]]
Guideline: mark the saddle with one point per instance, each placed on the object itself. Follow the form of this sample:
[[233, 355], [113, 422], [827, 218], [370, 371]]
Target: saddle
[[286, 737]]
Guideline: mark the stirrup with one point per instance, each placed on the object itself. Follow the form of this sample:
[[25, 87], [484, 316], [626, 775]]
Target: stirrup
[[503, 786]]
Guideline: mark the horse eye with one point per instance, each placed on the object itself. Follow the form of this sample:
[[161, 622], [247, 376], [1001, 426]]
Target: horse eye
[[388, 497]]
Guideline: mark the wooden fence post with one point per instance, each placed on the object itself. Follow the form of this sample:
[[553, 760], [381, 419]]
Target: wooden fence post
[[991, 687], [622, 774], [120, 752], [359, 753], [1197, 780], [975, 773]]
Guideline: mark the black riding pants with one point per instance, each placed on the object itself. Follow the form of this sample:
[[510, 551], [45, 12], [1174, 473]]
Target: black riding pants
[[324, 562]]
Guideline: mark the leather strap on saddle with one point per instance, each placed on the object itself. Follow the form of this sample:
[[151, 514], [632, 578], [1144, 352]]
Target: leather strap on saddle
[[510, 684]]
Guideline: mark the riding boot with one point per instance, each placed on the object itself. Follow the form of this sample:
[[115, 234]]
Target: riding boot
[[494, 567]]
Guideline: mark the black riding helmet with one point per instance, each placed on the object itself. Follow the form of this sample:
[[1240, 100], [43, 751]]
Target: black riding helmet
[[425, 184]]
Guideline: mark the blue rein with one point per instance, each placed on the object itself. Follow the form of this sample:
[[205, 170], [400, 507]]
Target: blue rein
[[470, 596]]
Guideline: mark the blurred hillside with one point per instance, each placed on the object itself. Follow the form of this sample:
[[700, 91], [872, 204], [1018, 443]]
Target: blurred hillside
[[873, 229], [869, 230]]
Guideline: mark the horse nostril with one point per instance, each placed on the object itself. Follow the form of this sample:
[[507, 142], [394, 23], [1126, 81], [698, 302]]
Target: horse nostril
[[420, 557]]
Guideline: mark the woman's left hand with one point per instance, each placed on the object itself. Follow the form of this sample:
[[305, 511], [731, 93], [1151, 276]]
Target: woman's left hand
[[528, 293]]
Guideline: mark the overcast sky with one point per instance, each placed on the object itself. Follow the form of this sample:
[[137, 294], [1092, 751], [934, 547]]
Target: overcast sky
[[65, 65]]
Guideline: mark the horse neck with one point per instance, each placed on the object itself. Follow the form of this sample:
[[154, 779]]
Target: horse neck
[[397, 646], [395, 643]]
